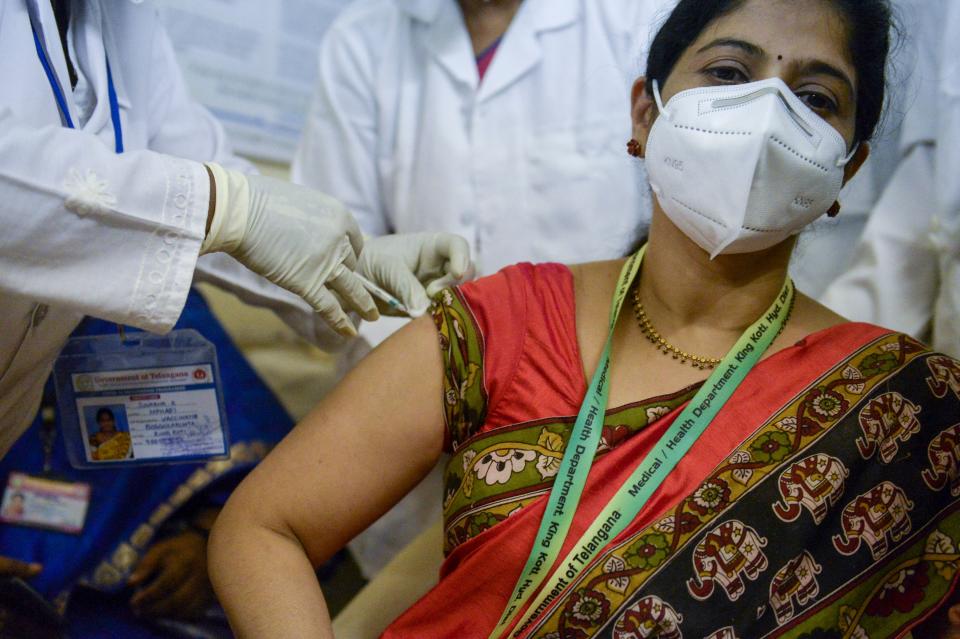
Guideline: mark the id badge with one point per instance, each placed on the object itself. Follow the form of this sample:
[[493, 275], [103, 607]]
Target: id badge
[[143, 399], [40, 502]]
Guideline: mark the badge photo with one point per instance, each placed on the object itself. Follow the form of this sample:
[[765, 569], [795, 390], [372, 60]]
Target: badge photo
[[107, 432]]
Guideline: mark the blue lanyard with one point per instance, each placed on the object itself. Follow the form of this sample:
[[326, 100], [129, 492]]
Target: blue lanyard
[[62, 100]]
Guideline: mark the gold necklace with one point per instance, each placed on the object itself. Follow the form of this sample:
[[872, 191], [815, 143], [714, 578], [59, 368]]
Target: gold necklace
[[663, 345]]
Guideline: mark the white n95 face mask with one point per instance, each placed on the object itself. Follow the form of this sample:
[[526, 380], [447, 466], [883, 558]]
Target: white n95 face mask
[[741, 168]]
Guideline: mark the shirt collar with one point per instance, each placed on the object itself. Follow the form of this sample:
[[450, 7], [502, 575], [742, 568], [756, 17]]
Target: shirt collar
[[546, 14]]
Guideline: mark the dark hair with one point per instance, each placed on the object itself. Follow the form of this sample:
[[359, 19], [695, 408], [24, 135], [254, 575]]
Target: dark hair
[[105, 411], [869, 24]]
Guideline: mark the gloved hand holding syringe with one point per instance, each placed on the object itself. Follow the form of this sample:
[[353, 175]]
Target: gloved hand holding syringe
[[308, 243], [388, 299]]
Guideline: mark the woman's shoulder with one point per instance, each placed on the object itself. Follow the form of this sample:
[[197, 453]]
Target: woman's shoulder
[[513, 287], [527, 291], [810, 316], [517, 327], [820, 332], [505, 313]]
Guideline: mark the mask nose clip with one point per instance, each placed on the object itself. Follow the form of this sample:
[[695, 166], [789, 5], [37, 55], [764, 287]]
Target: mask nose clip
[[759, 93]]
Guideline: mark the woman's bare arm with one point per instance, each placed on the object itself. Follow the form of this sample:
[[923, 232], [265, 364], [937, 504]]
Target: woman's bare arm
[[354, 456]]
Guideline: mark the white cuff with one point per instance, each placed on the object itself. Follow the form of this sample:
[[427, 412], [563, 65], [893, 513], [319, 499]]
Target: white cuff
[[230, 214]]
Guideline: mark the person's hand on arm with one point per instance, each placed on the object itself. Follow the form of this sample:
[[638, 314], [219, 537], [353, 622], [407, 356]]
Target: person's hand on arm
[[299, 239], [415, 266], [354, 456]]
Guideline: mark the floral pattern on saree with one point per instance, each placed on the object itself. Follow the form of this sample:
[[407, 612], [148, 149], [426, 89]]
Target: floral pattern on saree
[[834, 519], [498, 472], [491, 475], [461, 346]]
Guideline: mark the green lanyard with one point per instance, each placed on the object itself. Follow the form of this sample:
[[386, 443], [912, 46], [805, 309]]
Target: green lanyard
[[631, 497]]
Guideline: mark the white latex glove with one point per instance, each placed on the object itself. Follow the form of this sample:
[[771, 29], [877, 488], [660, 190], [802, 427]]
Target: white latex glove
[[414, 266], [299, 239]]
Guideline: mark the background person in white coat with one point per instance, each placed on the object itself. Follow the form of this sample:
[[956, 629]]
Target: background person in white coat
[[411, 138], [500, 121], [946, 228], [906, 268], [88, 230], [825, 250]]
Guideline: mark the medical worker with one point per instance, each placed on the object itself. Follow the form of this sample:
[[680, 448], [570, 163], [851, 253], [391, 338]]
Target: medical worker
[[946, 228], [498, 121], [914, 229], [501, 121], [105, 203], [136, 569]]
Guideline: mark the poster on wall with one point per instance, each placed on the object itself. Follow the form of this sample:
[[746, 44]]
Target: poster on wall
[[253, 64]]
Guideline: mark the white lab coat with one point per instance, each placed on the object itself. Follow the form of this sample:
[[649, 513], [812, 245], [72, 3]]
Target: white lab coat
[[945, 230], [824, 250], [904, 273], [529, 165], [86, 231]]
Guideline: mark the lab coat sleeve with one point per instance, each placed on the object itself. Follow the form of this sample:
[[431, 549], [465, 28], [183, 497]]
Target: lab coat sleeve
[[225, 273], [337, 153], [182, 127], [107, 235], [893, 279]]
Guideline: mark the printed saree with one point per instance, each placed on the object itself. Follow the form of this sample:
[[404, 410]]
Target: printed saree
[[821, 502]]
